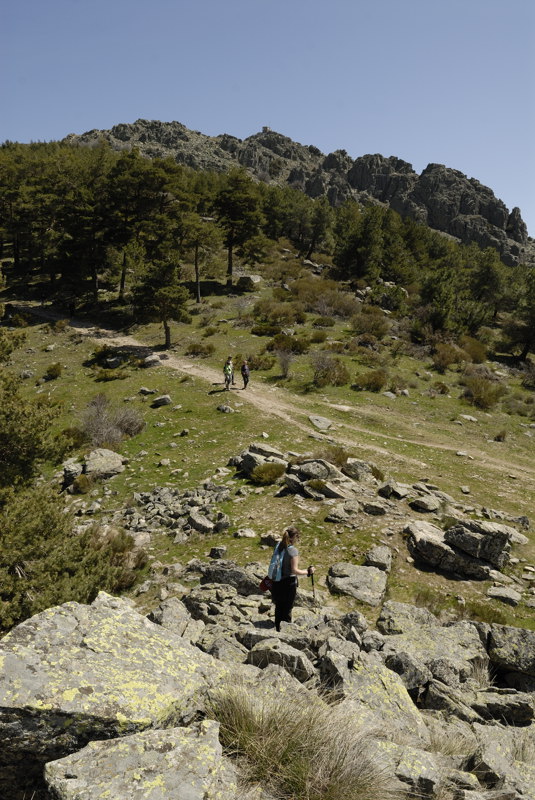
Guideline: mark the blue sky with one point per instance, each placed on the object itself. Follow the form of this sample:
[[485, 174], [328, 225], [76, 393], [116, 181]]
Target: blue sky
[[446, 81]]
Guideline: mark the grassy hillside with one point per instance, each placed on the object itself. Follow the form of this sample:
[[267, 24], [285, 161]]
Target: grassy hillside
[[421, 434]]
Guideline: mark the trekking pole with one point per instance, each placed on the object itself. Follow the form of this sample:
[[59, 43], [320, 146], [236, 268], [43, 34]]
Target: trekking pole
[[311, 575]]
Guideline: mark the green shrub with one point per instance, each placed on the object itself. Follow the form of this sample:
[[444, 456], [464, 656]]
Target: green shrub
[[44, 563], [440, 387], [82, 484], [476, 350], [105, 375], [516, 404], [373, 381], [19, 321], [323, 322], [300, 749], [318, 337], [261, 361], [328, 371], [210, 331], [293, 344], [59, 326], [200, 349], [447, 354], [482, 392], [74, 438], [370, 319], [53, 371], [265, 329], [397, 383], [268, 473]]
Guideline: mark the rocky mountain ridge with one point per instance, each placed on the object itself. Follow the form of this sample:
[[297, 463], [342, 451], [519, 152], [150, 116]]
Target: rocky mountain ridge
[[441, 197]]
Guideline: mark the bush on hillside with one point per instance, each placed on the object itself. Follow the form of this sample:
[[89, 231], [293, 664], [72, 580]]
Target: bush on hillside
[[370, 319], [328, 371], [334, 454], [323, 322], [446, 354], [44, 563], [476, 350], [53, 371], [265, 329], [103, 425], [285, 358], [285, 341], [200, 349], [482, 392], [318, 337], [373, 381], [261, 361], [268, 473]]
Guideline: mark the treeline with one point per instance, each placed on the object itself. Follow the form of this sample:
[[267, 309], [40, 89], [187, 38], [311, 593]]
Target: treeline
[[80, 216]]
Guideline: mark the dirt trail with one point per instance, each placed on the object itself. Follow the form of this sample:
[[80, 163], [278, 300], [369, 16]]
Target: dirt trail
[[292, 409]]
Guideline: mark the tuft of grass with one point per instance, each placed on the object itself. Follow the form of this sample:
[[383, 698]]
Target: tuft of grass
[[53, 371], [300, 749], [268, 473]]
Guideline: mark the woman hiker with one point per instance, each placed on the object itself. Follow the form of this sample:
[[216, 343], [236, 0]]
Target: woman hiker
[[284, 570], [245, 372]]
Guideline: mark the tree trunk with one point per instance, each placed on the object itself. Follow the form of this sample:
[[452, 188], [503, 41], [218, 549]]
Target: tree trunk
[[122, 283], [167, 331], [197, 275], [94, 283], [525, 352], [230, 264]]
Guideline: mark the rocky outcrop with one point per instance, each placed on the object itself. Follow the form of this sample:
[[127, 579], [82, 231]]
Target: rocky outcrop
[[149, 764], [99, 701], [441, 197], [77, 673]]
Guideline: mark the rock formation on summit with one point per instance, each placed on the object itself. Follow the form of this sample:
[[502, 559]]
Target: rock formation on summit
[[443, 198]]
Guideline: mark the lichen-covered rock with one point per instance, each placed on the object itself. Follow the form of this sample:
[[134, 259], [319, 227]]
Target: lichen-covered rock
[[367, 584], [512, 648], [102, 463], [427, 542], [244, 579], [75, 673], [179, 762], [450, 653], [173, 615], [492, 545], [379, 556], [274, 651], [378, 697]]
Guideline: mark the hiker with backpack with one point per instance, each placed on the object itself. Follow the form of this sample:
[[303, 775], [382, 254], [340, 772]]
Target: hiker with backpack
[[284, 571], [228, 372], [245, 373]]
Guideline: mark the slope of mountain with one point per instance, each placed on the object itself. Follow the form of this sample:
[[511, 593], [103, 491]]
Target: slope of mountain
[[441, 197]]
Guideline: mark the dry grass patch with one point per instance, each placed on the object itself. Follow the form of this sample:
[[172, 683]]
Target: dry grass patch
[[300, 748]]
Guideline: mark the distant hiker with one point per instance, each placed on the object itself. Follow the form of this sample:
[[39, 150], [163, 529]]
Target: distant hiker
[[228, 372], [283, 570], [245, 372]]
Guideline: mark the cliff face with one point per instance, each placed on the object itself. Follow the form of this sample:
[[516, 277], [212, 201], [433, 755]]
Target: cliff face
[[440, 197]]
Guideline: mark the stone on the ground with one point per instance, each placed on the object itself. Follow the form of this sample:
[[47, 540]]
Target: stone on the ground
[[366, 584], [178, 762]]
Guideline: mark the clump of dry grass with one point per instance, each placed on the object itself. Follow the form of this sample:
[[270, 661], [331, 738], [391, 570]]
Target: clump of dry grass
[[101, 424], [301, 748]]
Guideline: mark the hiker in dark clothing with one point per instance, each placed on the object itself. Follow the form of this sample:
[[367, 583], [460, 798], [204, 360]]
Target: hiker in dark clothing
[[245, 372], [284, 575]]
